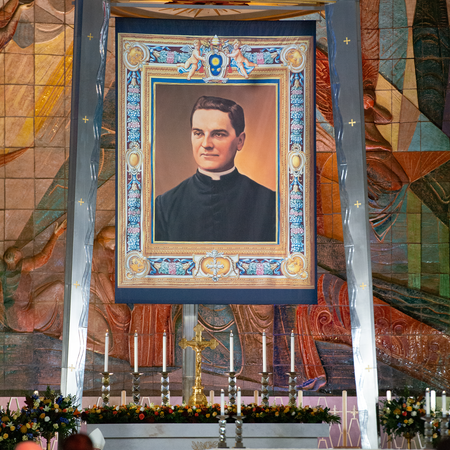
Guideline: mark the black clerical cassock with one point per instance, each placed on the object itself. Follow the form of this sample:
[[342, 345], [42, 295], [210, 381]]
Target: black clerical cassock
[[232, 209]]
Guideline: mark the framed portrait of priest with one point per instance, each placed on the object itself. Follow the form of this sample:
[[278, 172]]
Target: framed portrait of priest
[[215, 162]]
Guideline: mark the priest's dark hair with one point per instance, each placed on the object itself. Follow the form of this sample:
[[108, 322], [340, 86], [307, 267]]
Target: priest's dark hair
[[234, 111]]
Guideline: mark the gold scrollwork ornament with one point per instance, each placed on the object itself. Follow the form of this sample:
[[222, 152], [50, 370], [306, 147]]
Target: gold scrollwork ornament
[[136, 265], [294, 56], [294, 266], [134, 55], [134, 160], [297, 161], [215, 265]]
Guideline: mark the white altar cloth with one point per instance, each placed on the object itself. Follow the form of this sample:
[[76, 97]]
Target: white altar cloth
[[202, 436]]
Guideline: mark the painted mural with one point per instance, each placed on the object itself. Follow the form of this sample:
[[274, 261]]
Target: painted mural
[[405, 49]]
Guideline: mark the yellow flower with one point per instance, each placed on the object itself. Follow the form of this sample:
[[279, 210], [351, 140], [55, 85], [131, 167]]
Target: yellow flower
[[208, 416], [5, 436], [23, 429], [12, 427], [277, 413], [397, 411], [42, 416], [28, 425], [189, 410], [5, 419], [434, 435], [409, 408], [405, 421], [214, 414]]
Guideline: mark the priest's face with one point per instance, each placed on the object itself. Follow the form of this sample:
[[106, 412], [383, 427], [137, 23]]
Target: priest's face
[[214, 140]]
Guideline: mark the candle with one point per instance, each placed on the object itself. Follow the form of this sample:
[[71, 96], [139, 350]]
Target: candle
[[292, 352], [444, 404], [106, 351], [427, 401], [123, 398], [164, 352], [300, 399], [264, 351], [238, 411], [433, 400], [222, 402], [135, 351], [255, 397], [388, 396], [231, 352], [211, 397]]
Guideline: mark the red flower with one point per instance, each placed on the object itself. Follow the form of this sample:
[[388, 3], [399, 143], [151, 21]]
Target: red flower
[[170, 411], [114, 412], [141, 416], [404, 413], [156, 413], [196, 414]]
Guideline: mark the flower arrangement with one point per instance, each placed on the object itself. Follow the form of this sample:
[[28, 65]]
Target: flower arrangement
[[53, 413], [41, 417], [16, 427], [132, 413], [402, 416]]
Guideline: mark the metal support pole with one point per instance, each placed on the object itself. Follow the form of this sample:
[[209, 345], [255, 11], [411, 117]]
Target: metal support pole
[[190, 320], [89, 61], [344, 55]]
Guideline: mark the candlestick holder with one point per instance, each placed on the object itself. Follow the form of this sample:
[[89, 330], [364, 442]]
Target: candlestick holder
[[292, 389], [165, 390], [222, 431], [444, 427], [238, 420], [428, 431], [232, 388], [136, 388], [265, 388], [106, 387]]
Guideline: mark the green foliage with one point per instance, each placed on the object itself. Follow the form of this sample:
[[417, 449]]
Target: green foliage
[[205, 414]]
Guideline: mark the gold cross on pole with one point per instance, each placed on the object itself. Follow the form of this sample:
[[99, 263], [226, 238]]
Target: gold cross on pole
[[198, 345]]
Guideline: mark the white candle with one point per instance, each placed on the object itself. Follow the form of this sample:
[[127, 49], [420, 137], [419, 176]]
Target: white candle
[[427, 401], [292, 352], [222, 402], [388, 396], [255, 397], [433, 400], [300, 399], [123, 398], [135, 351], [231, 352], [164, 352], [238, 411], [106, 351], [444, 404], [264, 351], [211, 397]]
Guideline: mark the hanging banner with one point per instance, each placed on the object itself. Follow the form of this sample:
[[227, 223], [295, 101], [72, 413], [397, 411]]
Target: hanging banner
[[215, 162]]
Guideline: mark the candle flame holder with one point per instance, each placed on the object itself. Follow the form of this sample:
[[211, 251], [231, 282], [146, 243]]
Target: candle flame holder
[[106, 387], [292, 389], [222, 431], [165, 389], [238, 420], [265, 388], [232, 388], [136, 387]]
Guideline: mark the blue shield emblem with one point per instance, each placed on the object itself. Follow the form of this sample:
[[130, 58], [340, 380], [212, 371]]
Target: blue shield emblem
[[215, 64]]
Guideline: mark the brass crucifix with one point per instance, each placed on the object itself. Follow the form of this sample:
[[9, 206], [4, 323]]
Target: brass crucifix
[[198, 345]]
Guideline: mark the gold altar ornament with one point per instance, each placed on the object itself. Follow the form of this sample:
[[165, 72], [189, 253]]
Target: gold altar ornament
[[198, 345]]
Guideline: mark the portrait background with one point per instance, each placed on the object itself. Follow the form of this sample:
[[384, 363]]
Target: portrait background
[[173, 104]]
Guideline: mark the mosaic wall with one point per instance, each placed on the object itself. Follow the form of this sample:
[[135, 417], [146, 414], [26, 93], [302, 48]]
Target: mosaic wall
[[406, 54]]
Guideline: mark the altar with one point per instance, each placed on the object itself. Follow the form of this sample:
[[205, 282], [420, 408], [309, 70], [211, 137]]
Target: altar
[[182, 436]]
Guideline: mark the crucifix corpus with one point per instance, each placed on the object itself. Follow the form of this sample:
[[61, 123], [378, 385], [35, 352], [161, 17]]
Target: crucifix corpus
[[198, 345]]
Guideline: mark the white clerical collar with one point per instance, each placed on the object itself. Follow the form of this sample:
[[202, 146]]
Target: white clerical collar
[[216, 175]]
